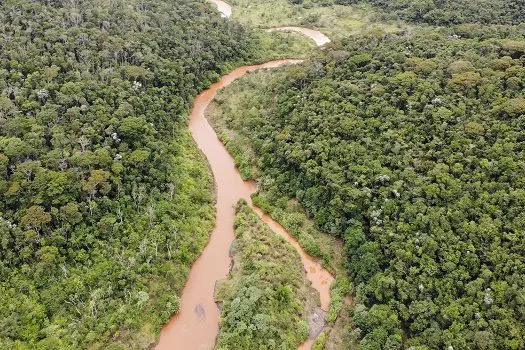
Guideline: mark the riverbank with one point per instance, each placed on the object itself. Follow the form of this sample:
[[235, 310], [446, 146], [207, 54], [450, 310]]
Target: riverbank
[[196, 324], [266, 300], [319, 38], [228, 114]]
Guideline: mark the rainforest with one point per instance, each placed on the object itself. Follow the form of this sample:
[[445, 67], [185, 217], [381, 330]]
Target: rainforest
[[279, 174]]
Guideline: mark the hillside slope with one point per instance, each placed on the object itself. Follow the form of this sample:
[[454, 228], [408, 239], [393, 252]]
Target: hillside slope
[[104, 200], [410, 148]]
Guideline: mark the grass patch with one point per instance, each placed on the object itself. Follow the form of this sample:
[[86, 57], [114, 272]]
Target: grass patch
[[277, 45], [336, 21]]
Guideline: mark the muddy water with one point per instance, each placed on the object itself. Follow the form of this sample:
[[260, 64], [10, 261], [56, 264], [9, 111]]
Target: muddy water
[[224, 8], [197, 323], [319, 38], [320, 278]]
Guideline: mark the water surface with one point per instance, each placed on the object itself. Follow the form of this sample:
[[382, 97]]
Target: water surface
[[224, 8], [319, 38], [196, 325]]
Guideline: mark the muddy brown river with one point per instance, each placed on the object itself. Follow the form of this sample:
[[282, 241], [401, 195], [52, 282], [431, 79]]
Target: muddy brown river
[[196, 325], [224, 8], [319, 38]]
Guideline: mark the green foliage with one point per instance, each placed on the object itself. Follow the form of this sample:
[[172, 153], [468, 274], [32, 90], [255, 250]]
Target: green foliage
[[332, 17], [410, 148], [447, 12], [264, 297], [339, 291], [104, 201], [381, 326], [292, 222], [439, 12], [320, 341]]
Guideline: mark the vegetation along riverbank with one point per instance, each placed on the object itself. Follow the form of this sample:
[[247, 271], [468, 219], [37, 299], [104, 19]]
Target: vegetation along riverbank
[[365, 157]]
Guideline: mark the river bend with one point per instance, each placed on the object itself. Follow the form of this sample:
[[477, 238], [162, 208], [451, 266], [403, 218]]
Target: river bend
[[196, 325]]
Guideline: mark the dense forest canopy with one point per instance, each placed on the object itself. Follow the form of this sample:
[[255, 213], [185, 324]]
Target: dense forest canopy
[[447, 12], [440, 12], [104, 201], [411, 147]]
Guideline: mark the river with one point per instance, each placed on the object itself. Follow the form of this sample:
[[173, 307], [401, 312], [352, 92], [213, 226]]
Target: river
[[224, 8], [196, 325], [319, 38]]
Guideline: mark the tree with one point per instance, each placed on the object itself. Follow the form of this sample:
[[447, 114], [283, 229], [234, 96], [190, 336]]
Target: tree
[[35, 218], [513, 107]]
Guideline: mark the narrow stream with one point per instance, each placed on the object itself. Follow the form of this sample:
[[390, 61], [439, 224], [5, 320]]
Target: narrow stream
[[224, 8], [319, 38], [196, 325]]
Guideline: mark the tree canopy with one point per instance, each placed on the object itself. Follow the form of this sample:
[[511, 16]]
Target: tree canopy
[[104, 200], [440, 12], [410, 147], [448, 12]]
